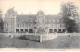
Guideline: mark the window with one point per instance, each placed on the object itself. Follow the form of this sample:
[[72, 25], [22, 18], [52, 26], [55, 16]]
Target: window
[[50, 30], [21, 30], [57, 20], [11, 24], [22, 24], [62, 25], [48, 25], [45, 20], [6, 25], [17, 30], [54, 25], [18, 20], [30, 25], [26, 30], [64, 30], [31, 20], [6, 29], [30, 30], [53, 20], [58, 25], [59, 30], [55, 30], [17, 25], [49, 20]]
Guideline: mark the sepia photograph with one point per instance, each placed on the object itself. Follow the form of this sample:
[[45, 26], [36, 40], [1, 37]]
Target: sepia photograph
[[40, 24]]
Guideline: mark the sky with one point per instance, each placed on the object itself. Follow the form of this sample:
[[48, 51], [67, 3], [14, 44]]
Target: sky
[[33, 6]]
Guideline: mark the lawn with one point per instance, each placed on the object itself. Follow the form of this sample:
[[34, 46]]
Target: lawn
[[59, 43]]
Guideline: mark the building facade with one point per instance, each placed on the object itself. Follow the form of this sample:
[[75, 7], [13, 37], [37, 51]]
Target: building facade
[[32, 23]]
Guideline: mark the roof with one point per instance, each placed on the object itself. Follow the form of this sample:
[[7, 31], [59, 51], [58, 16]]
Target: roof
[[52, 17], [34, 15], [26, 17]]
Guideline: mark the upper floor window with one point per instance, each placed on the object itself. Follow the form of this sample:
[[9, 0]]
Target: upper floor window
[[31, 20], [18, 20], [6, 24], [45, 20], [17, 25], [57, 20], [23, 25], [49, 20], [63, 25], [58, 25], [53, 20]]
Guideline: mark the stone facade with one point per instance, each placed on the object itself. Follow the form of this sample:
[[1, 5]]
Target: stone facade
[[9, 21], [30, 23]]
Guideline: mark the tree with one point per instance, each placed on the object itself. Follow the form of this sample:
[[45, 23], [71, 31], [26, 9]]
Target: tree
[[70, 17], [1, 22]]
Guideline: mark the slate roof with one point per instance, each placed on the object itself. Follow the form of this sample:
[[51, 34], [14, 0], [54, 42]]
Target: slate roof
[[25, 17]]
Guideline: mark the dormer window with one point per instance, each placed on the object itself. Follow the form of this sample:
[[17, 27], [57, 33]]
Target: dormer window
[[40, 14]]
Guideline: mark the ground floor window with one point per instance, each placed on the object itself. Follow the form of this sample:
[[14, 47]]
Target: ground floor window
[[50, 30], [17, 30], [59, 30], [30, 30], [26, 30], [64, 30], [55, 30], [21, 30]]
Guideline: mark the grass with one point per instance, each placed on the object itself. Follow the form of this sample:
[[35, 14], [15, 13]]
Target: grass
[[59, 43]]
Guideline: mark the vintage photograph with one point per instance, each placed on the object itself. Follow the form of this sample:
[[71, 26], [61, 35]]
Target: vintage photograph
[[40, 24]]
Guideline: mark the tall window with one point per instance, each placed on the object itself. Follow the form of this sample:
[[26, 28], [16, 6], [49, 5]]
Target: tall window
[[22, 24], [17, 30], [57, 20], [53, 25], [17, 25], [6, 24], [58, 25], [18, 20], [62, 25], [26, 30], [21, 30], [45, 20], [31, 20], [55, 30], [53, 20], [49, 20]]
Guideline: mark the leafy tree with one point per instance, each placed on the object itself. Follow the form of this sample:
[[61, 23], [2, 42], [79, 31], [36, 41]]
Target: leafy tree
[[70, 17], [1, 22]]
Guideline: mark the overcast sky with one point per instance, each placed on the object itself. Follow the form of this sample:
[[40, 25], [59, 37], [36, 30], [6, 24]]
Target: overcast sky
[[32, 6]]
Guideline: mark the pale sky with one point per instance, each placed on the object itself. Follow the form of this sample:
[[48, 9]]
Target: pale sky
[[33, 6]]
